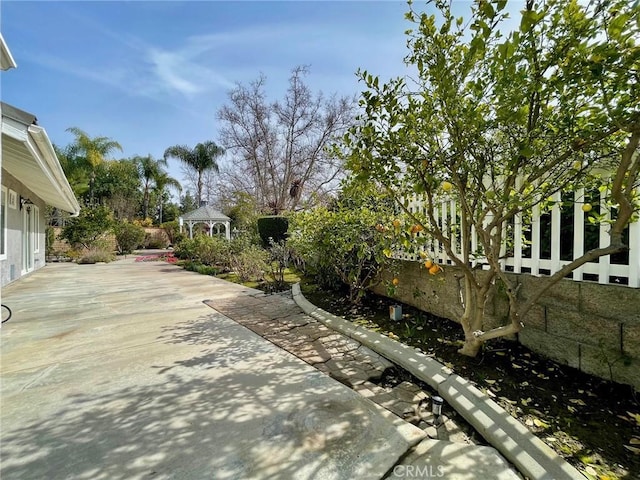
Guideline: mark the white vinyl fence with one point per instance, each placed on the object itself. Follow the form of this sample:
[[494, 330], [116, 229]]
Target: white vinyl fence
[[553, 229]]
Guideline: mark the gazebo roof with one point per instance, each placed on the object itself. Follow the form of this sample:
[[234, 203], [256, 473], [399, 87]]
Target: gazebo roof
[[205, 214]]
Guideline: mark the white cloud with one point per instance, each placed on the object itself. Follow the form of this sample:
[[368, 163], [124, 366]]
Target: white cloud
[[167, 67], [210, 64]]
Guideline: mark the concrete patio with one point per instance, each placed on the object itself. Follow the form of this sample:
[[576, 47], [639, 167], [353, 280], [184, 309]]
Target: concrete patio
[[122, 371]]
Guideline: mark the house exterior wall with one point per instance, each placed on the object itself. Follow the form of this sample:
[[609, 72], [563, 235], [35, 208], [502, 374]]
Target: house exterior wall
[[592, 327], [12, 266]]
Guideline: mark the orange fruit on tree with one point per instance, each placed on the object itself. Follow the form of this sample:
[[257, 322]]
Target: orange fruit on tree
[[396, 223], [434, 269], [428, 264], [587, 207], [395, 281]]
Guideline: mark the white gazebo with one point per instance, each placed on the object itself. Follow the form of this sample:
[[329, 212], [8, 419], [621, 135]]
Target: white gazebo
[[210, 217]]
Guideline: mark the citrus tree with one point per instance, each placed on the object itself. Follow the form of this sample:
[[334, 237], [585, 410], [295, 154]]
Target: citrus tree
[[498, 116]]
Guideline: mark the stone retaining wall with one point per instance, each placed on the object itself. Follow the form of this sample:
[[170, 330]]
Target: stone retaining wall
[[592, 327], [61, 247]]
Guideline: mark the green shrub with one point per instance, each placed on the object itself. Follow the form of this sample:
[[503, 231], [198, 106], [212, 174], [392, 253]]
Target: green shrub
[[204, 249], [201, 269], [272, 228], [242, 242], [250, 264], [95, 256], [279, 256], [342, 245], [129, 236], [91, 225], [177, 238], [172, 230], [50, 238]]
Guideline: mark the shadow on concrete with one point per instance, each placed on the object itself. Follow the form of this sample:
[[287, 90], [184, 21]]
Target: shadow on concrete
[[240, 410]]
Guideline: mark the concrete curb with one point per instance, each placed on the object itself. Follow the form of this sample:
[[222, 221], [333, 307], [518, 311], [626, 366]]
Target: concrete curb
[[528, 453]]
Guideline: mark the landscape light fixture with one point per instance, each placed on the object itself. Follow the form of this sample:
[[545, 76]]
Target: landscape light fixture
[[436, 408]]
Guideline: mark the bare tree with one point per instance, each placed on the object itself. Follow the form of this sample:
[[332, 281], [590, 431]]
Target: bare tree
[[279, 150]]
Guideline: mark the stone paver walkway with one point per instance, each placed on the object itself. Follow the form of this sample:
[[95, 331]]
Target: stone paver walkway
[[278, 319]]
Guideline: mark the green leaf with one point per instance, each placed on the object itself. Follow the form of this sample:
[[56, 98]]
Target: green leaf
[[635, 416], [526, 22], [616, 26], [529, 19], [487, 9], [539, 423]]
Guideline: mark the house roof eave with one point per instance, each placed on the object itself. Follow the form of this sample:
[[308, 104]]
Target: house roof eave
[[6, 59], [27, 154]]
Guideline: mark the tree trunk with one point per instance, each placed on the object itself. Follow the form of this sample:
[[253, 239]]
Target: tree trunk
[[145, 204], [474, 301], [471, 346], [199, 190]]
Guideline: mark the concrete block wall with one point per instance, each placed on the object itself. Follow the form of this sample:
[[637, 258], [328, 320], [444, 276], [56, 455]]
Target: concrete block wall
[[594, 328]]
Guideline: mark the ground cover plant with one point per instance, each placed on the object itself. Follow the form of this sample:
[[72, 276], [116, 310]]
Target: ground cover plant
[[240, 261], [593, 423]]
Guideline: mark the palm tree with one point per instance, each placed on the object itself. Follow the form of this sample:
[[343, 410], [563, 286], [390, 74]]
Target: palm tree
[[148, 169], [74, 169], [201, 158], [92, 150], [162, 181]]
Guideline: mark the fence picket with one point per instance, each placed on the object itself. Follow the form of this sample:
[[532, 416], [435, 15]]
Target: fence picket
[[446, 217], [605, 261], [578, 230]]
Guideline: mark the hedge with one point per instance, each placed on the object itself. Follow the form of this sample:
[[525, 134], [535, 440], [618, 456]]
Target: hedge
[[272, 227]]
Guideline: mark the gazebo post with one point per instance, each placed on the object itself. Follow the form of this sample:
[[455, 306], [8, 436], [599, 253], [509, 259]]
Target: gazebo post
[[227, 228], [190, 230]]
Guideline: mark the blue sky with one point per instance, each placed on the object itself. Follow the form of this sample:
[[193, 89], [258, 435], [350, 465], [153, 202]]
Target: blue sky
[[154, 74]]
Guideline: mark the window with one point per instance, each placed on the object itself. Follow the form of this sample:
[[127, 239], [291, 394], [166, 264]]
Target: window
[[3, 224]]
